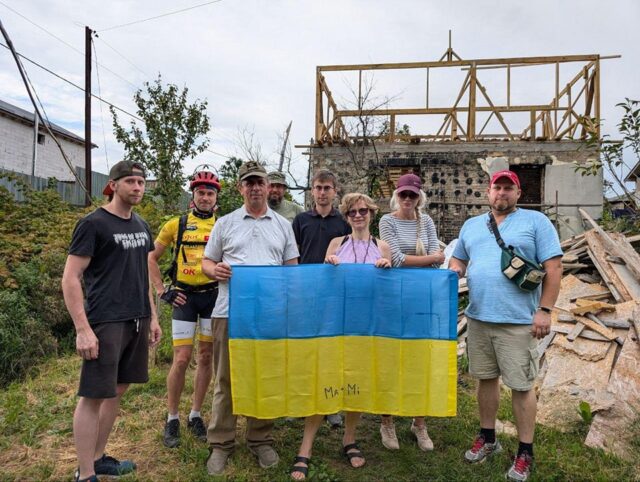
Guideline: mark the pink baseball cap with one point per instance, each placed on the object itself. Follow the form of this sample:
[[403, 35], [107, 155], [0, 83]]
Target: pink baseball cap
[[512, 176], [409, 182]]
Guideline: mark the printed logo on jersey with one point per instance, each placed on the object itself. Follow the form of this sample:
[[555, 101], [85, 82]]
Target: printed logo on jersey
[[191, 227], [131, 240]]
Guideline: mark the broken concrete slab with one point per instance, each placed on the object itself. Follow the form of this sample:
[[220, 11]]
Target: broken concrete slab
[[610, 427]]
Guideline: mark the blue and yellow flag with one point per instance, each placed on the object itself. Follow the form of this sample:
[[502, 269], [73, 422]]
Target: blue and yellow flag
[[317, 339]]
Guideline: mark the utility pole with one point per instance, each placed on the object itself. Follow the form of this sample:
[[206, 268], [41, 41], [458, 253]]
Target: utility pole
[[35, 144], [284, 146], [87, 112]]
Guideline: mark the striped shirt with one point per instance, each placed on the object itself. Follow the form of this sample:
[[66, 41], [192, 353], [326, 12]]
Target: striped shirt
[[401, 236]]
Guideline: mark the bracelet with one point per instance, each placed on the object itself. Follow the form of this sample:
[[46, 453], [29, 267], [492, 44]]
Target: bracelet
[[545, 309]]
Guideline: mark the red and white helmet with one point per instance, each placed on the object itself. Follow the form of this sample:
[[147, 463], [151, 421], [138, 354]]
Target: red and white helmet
[[204, 178]]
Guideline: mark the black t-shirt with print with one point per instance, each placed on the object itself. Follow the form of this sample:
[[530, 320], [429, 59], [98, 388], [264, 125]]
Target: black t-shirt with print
[[117, 278]]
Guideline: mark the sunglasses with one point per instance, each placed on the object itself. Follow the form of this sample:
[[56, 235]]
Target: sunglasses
[[362, 212], [408, 194]]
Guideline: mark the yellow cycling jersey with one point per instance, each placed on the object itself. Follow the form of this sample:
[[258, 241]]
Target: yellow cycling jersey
[[190, 256]]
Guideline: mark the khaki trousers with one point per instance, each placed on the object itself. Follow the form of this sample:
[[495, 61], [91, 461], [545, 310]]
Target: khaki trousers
[[222, 429]]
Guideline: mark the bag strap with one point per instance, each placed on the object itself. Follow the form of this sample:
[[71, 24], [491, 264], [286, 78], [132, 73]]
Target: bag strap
[[493, 227], [182, 226]]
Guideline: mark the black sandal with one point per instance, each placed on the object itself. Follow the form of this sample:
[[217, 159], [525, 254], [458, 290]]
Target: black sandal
[[355, 453], [297, 468]]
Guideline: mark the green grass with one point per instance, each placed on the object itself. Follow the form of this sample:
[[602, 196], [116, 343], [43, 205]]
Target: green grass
[[36, 441]]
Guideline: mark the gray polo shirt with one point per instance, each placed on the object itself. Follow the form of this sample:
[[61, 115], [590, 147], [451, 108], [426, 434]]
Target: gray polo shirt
[[240, 239]]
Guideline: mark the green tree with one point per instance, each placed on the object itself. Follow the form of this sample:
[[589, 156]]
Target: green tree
[[174, 130], [612, 152], [229, 198]]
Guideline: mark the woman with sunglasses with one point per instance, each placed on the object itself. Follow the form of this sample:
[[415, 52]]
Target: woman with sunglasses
[[413, 240], [357, 247]]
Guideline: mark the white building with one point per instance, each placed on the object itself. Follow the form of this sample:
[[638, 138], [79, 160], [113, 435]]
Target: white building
[[17, 146]]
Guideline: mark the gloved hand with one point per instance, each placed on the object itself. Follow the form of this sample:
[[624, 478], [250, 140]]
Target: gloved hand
[[169, 295]]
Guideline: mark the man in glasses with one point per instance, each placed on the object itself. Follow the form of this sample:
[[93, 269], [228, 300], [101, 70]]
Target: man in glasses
[[315, 229], [250, 235]]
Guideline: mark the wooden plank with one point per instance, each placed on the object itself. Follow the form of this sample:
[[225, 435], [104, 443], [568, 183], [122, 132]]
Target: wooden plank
[[595, 296], [592, 325], [612, 323], [462, 63], [613, 248], [584, 333], [597, 254], [462, 324], [545, 342], [575, 331], [590, 306]]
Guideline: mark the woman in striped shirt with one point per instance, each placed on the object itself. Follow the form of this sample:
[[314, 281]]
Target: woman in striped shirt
[[413, 240]]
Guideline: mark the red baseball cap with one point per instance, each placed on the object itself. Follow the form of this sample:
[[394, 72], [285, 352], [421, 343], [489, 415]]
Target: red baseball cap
[[107, 191], [409, 182], [512, 176]]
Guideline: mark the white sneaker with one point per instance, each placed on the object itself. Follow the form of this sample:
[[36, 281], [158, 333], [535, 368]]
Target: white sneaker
[[389, 438], [424, 442]]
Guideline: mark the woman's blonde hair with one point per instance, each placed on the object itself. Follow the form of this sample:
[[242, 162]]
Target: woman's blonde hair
[[351, 199], [394, 204]]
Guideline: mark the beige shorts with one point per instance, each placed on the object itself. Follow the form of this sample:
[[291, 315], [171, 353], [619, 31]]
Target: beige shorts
[[503, 349]]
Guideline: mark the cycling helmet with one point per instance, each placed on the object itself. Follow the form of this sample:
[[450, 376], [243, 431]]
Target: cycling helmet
[[204, 178]]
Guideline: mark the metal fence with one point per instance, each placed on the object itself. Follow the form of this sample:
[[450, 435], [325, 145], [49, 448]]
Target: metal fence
[[70, 192]]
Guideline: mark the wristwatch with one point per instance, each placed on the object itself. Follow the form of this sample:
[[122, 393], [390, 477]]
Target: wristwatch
[[545, 309]]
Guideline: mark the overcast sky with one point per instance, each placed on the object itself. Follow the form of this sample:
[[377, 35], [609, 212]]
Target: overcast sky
[[254, 61]]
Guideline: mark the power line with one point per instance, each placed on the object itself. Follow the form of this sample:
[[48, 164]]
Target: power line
[[66, 43], [73, 84], [104, 136], [159, 16], [121, 55], [35, 106]]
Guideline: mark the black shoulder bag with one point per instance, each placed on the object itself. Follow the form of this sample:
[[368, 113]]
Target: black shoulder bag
[[526, 274]]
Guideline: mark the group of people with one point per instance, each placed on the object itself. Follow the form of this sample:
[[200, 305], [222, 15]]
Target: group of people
[[113, 253]]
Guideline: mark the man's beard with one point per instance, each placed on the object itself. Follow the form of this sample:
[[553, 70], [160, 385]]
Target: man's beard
[[274, 202]]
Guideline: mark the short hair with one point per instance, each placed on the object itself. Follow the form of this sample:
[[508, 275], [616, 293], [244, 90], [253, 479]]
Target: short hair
[[349, 200], [394, 203], [325, 176]]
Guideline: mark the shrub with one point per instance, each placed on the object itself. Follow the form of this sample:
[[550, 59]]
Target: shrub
[[23, 338]]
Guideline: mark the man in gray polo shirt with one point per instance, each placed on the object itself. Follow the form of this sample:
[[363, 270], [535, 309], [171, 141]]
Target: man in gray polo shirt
[[251, 235], [277, 189]]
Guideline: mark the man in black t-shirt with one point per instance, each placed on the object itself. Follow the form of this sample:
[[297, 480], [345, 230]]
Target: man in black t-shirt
[[315, 229], [117, 322]]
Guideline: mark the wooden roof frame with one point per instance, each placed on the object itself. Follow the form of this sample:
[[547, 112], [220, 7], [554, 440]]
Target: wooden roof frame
[[561, 119]]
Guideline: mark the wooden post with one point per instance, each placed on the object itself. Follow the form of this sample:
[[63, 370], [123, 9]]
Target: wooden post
[[508, 85], [533, 125], [596, 86], [87, 113], [319, 108], [392, 127], [471, 120]]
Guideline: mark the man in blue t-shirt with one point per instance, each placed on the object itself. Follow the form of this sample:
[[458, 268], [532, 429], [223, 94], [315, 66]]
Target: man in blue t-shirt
[[504, 321]]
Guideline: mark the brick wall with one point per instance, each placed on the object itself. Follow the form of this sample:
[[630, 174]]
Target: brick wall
[[16, 152], [455, 175]]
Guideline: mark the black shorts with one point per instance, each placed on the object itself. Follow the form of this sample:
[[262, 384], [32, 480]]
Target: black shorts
[[199, 305], [123, 357]]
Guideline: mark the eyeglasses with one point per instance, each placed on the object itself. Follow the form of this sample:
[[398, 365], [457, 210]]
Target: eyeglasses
[[408, 194], [323, 188], [362, 212]]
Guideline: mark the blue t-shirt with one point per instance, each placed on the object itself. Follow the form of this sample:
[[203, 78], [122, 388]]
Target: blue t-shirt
[[492, 296]]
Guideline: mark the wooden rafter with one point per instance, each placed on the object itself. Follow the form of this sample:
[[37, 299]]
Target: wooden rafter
[[560, 119]]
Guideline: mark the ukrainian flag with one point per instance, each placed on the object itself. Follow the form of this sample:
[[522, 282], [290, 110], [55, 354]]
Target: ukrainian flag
[[317, 339]]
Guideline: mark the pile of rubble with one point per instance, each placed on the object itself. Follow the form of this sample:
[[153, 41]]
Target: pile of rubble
[[592, 355]]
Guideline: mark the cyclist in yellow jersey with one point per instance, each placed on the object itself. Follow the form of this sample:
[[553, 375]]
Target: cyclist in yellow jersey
[[193, 296]]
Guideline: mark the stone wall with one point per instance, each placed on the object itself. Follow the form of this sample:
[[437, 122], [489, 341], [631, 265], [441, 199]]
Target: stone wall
[[456, 176]]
